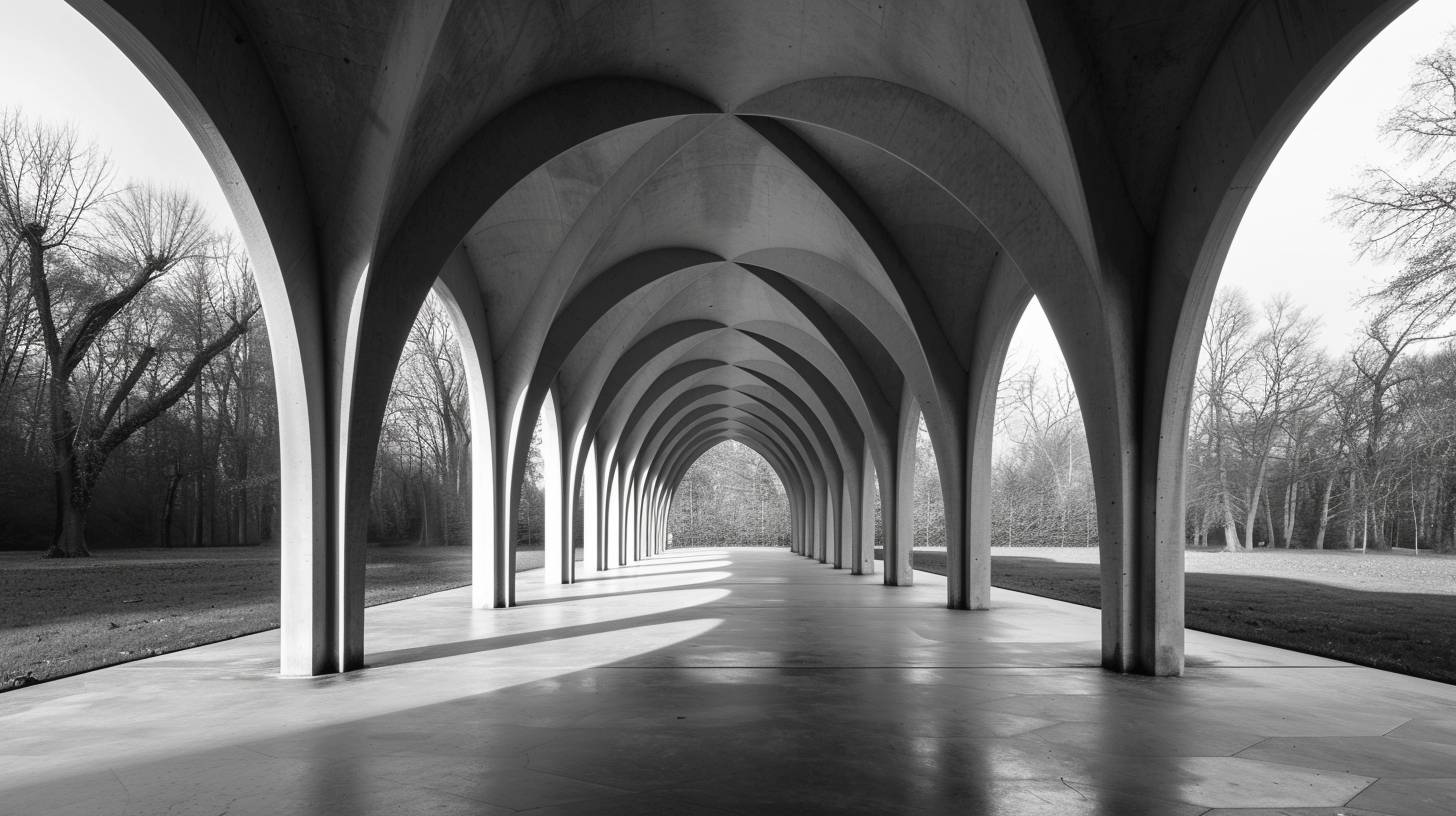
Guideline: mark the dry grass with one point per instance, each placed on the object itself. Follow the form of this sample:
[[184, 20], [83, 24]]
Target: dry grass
[[62, 617], [1392, 611]]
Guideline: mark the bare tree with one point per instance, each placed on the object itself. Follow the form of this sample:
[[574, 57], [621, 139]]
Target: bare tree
[[1285, 385], [1042, 488], [1414, 218], [51, 187], [427, 430], [1227, 357], [148, 233], [1388, 336]]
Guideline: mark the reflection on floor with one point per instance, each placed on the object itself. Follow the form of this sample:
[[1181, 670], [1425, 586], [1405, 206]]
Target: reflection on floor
[[730, 681]]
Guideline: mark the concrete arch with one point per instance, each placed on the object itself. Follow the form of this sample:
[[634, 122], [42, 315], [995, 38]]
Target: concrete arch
[[560, 495], [692, 451], [675, 476], [435, 224], [469, 321], [632, 369], [800, 483], [243, 147], [792, 490], [800, 447]]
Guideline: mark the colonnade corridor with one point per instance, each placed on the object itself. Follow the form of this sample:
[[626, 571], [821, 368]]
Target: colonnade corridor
[[729, 681]]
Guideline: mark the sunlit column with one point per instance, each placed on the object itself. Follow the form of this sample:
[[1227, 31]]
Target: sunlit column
[[629, 535], [592, 551], [659, 524], [613, 513], [556, 538]]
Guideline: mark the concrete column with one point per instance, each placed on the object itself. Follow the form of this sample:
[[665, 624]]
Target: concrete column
[[504, 548], [862, 559], [567, 514], [968, 553], [556, 512], [897, 501], [631, 539], [612, 514], [843, 543], [831, 521], [483, 515], [968, 556], [814, 522], [812, 519], [659, 523], [592, 554]]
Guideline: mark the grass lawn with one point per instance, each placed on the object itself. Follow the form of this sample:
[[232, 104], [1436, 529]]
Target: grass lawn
[[60, 617], [1393, 611]]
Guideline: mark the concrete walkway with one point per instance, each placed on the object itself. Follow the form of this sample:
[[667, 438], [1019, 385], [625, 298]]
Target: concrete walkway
[[730, 681]]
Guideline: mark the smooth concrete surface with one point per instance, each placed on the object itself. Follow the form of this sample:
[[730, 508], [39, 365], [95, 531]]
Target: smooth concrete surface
[[730, 681]]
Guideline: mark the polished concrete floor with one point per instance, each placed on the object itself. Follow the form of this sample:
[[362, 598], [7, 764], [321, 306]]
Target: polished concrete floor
[[730, 682]]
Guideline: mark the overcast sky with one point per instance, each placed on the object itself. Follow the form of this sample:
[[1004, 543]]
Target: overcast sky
[[58, 68]]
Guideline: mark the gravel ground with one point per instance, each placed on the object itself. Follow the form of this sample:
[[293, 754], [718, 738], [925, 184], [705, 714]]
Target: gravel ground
[[1398, 571]]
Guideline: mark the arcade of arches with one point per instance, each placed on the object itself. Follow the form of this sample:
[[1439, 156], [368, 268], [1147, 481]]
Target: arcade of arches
[[802, 226]]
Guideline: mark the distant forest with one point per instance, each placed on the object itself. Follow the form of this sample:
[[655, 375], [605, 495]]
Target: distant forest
[[730, 497]]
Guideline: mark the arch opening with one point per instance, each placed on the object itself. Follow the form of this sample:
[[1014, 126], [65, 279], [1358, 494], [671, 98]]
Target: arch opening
[[421, 525], [1042, 492], [729, 497]]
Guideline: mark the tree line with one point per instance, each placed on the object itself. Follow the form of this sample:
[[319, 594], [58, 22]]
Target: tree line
[[1293, 446], [730, 497]]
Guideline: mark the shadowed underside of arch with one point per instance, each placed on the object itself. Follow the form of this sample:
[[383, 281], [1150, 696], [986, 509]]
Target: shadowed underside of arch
[[802, 226]]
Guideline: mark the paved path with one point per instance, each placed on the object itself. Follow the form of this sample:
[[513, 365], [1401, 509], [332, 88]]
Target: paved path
[[730, 681]]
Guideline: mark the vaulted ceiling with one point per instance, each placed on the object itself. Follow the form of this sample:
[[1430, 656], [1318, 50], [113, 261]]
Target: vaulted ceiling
[[798, 223]]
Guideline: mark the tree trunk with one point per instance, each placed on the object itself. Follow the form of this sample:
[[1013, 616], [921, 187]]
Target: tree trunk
[[1324, 514], [70, 539], [72, 500], [1352, 528], [1291, 506], [1269, 521], [1253, 509], [73, 533], [168, 505], [1230, 528]]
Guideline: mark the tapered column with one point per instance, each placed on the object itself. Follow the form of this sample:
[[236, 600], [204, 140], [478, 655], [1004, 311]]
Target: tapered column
[[592, 551], [556, 509], [613, 514], [831, 522], [898, 498], [633, 539], [968, 555], [843, 544], [862, 545]]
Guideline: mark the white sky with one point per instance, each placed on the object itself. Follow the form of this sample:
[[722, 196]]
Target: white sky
[[57, 67]]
